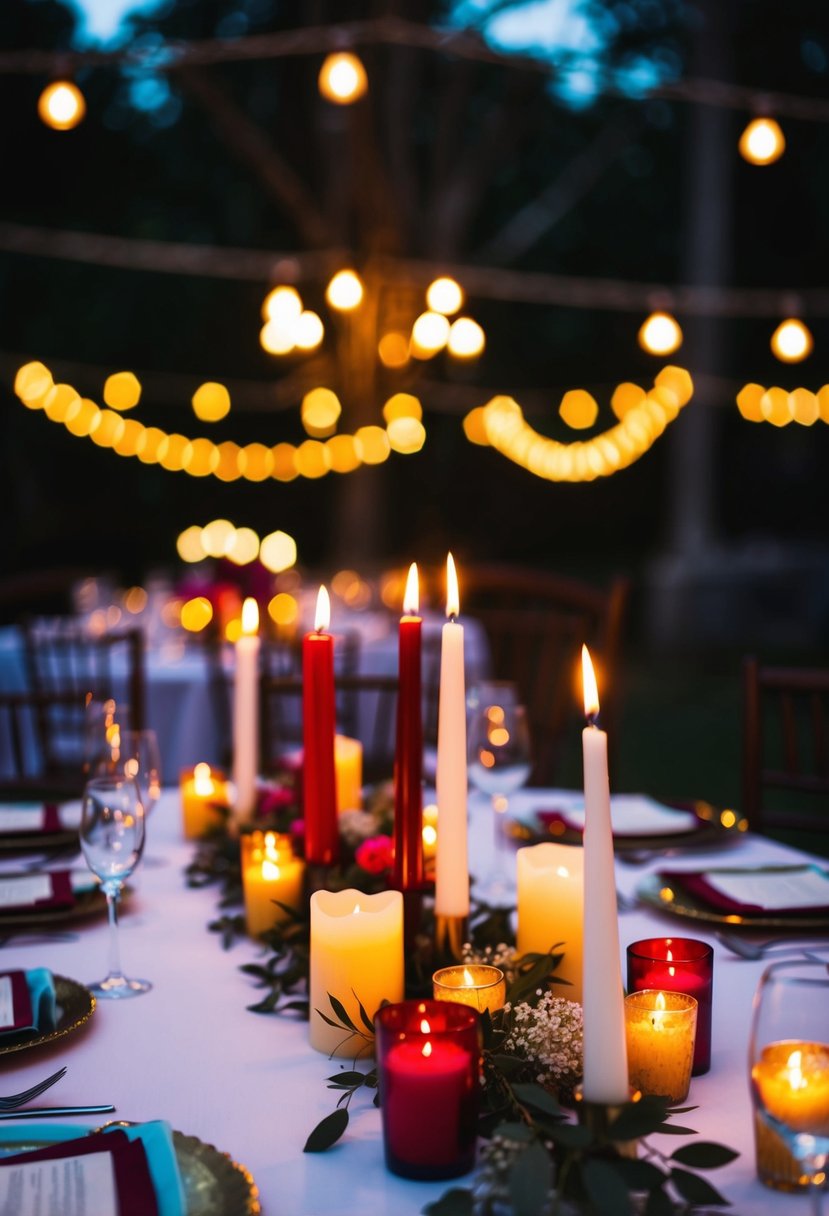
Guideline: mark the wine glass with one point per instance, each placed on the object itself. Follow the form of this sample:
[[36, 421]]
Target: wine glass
[[112, 839], [498, 753], [789, 1075], [138, 756]]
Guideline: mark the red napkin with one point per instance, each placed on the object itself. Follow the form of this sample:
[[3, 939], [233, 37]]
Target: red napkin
[[133, 1183], [62, 896], [700, 889]]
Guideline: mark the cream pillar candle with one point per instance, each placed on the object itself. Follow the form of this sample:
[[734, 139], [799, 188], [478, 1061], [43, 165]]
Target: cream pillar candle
[[605, 1052], [356, 953], [551, 907], [246, 712], [452, 862]]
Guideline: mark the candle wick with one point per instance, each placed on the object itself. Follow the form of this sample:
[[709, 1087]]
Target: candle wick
[[593, 718]]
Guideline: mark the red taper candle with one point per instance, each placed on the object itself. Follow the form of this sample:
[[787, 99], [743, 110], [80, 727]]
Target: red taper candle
[[322, 840], [408, 760]]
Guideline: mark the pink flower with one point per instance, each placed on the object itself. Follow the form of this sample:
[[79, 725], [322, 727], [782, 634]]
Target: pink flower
[[271, 801], [375, 854]]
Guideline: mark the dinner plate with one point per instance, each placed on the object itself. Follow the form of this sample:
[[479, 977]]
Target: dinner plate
[[709, 826], [76, 1005], [214, 1184], [657, 892], [29, 841], [91, 902]]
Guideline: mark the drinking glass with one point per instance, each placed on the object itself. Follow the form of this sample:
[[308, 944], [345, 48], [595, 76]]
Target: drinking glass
[[789, 1075], [498, 753], [112, 839], [134, 753]]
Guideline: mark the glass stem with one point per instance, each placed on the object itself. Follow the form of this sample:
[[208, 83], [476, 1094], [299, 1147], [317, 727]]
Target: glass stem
[[816, 1191], [112, 894]]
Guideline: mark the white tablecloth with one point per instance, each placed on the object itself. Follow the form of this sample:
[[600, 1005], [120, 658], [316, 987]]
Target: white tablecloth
[[191, 1053]]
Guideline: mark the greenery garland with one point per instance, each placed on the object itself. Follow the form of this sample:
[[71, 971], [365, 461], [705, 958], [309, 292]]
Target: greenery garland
[[536, 1157]]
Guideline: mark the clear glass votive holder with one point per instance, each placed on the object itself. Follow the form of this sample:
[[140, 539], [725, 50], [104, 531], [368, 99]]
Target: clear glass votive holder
[[660, 1029], [678, 964], [478, 985], [428, 1061], [270, 872]]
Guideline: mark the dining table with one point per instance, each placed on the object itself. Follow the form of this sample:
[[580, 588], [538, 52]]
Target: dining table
[[192, 1053]]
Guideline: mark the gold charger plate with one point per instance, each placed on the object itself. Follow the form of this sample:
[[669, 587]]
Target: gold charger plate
[[713, 826], [657, 892], [76, 1005], [214, 1184]]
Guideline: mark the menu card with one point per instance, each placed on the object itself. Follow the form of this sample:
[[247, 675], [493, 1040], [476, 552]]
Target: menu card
[[97, 1175], [15, 1003], [789, 889], [19, 892]]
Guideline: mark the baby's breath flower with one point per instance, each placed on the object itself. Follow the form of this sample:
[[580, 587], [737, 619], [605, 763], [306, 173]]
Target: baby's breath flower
[[550, 1036]]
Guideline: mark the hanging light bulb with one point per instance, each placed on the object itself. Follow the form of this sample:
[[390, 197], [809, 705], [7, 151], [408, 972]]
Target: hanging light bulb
[[791, 342], [660, 334], [61, 105], [762, 142], [342, 78]]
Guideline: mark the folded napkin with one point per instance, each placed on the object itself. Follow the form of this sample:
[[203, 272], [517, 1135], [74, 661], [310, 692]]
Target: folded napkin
[[27, 1004], [156, 1140], [29, 818], [630, 815], [36, 892], [779, 891]]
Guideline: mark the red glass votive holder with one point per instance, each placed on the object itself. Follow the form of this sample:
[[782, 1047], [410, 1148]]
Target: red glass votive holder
[[428, 1060], [678, 964]]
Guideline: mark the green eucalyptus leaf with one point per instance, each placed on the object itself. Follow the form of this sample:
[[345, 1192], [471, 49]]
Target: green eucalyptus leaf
[[530, 1093], [639, 1175], [571, 1135], [696, 1189], [674, 1129], [659, 1203], [328, 1021], [348, 1078], [364, 1018], [704, 1155], [457, 1202], [327, 1132], [606, 1190], [530, 1181], [637, 1119], [518, 1132], [342, 1013]]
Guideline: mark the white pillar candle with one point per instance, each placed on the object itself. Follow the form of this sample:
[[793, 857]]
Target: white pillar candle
[[246, 712], [452, 862], [605, 1053], [356, 953], [551, 908]]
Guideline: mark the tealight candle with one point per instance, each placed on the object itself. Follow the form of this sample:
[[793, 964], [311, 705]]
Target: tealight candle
[[428, 1059], [677, 964], [348, 773], [356, 957], [791, 1081], [475, 984], [660, 1029], [270, 871], [203, 793], [551, 907]]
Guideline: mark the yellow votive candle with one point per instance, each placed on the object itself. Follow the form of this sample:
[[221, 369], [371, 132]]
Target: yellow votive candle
[[551, 907], [269, 871], [475, 984], [202, 792], [792, 1083], [356, 956], [348, 772], [660, 1028]]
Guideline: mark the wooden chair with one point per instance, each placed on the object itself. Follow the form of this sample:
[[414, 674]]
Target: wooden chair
[[365, 709], [536, 623], [67, 667], [785, 784], [26, 770]]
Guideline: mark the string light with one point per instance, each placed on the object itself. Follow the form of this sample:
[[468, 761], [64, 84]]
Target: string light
[[320, 411], [578, 409], [791, 342], [466, 338], [660, 334], [345, 291], [122, 390], [393, 350], [61, 105], [342, 78], [277, 552], [211, 402], [444, 295], [762, 142], [779, 406], [429, 335]]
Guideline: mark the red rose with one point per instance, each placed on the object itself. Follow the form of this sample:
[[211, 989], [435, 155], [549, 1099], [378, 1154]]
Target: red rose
[[375, 854]]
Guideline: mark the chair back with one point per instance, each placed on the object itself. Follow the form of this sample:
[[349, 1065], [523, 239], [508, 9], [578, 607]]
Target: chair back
[[26, 771], [536, 623], [785, 747]]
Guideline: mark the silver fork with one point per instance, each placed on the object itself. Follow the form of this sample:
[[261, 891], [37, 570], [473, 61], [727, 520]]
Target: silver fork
[[12, 1101], [757, 950]]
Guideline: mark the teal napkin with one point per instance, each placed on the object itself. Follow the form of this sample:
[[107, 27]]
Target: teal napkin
[[41, 987], [157, 1138]]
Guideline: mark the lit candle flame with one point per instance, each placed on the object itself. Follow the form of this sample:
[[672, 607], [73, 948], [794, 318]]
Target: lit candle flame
[[591, 692], [425, 1027], [660, 1002], [250, 617], [356, 909], [202, 782], [323, 617], [794, 1071], [427, 1049], [270, 870], [563, 872], [468, 981], [453, 604], [411, 596], [670, 959]]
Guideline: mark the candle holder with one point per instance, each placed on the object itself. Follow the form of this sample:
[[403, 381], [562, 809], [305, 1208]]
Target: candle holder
[[475, 984], [678, 964], [598, 1117], [428, 1063], [205, 799], [451, 933], [660, 1028], [270, 872]]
